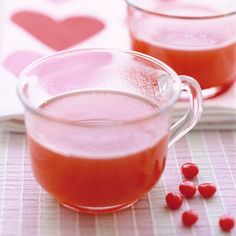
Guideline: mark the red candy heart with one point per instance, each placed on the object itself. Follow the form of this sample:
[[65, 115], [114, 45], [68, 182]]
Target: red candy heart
[[226, 222], [58, 35], [189, 170], [188, 189], [207, 190], [189, 218], [174, 200]]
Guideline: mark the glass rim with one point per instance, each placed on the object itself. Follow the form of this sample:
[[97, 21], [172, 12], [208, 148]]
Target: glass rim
[[37, 111], [216, 16]]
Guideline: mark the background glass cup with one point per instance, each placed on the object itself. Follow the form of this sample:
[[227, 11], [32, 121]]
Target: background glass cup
[[98, 124], [194, 37]]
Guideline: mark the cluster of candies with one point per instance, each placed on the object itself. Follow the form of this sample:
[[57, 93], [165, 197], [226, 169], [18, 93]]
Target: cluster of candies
[[188, 189]]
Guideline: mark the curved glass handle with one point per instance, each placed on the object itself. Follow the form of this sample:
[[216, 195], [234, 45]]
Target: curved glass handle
[[194, 112]]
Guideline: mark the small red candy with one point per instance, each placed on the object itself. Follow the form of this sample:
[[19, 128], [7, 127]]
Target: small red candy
[[226, 222], [189, 218], [189, 170], [207, 190], [188, 189], [174, 200]]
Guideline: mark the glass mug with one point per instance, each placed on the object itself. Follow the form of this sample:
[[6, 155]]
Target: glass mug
[[193, 37], [98, 124]]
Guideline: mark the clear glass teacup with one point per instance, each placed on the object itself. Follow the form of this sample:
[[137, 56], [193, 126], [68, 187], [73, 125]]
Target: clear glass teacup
[[98, 124], [193, 37]]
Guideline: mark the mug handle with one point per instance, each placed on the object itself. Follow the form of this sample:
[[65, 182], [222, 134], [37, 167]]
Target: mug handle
[[194, 112]]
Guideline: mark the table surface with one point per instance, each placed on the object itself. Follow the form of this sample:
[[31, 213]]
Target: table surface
[[25, 209]]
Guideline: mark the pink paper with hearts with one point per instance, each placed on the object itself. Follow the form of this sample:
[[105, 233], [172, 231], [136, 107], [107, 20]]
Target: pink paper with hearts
[[58, 34], [31, 29]]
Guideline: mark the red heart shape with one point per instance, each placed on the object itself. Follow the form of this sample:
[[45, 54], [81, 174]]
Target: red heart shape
[[58, 35]]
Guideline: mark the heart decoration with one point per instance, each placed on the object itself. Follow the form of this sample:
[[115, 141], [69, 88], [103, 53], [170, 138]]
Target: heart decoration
[[17, 61], [58, 35]]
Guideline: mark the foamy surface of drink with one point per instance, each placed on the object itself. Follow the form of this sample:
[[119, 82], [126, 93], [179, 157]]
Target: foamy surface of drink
[[97, 124]]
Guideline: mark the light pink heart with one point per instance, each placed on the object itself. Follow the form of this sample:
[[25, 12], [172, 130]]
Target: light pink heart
[[58, 35], [17, 61]]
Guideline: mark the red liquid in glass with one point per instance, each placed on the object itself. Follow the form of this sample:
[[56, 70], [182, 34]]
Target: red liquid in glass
[[203, 50], [94, 173]]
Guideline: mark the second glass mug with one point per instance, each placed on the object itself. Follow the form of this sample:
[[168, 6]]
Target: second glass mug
[[193, 37], [98, 124]]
